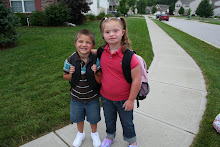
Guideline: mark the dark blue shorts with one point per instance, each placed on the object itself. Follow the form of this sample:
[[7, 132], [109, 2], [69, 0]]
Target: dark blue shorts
[[91, 109]]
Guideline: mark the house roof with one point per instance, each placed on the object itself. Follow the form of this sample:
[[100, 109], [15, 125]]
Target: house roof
[[186, 1], [162, 7], [149, 8], [213, 3]]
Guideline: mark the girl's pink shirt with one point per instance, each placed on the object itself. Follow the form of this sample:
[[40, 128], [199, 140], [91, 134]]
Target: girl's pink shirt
[[114, 85]]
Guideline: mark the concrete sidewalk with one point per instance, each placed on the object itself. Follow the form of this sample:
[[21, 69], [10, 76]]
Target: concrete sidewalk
[[171, 114]]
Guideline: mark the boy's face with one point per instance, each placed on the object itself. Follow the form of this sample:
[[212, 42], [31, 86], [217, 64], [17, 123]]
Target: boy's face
[[84, 45]]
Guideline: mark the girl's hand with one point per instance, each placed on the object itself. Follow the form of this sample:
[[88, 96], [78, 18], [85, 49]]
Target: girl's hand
[[72, 69], [94, 68], [128, 105]]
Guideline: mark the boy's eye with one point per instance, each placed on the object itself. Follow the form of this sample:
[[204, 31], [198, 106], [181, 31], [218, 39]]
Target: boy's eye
[[80, 41], [88, 42]]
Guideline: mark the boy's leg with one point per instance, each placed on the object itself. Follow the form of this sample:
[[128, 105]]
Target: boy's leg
[[93, 117], [126, 118], [77, 115], [80, 126], [93, 127]]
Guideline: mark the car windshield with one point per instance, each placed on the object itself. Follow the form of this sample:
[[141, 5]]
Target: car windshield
[[164, 15]]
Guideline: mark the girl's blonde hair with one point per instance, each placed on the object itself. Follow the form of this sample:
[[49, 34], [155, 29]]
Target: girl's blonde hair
[[122, 21]]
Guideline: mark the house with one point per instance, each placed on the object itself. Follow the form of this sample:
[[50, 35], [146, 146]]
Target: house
[[216, 6], [113, 4], [162, 9], [193, 5], [28, 6], [148, 9], [98, 6], [186, 4]]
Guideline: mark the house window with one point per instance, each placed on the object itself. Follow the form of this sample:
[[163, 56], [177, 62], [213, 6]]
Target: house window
[[22, 5]]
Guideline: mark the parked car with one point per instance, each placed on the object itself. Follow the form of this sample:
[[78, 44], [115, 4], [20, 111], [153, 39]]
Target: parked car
[[164, 17], [158, 16]]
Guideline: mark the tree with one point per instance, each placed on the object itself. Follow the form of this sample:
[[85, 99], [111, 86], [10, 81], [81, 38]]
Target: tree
[[154, 10], [141, 5], [8, 22], [77, 8], [123, 7], [181, 11], [204, 9], [171, 8], [189, 11]]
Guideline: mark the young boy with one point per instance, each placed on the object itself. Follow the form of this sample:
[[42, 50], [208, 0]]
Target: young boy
[[82, 71]]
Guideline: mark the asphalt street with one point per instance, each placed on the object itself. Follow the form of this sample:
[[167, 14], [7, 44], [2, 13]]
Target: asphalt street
[[209, 33]]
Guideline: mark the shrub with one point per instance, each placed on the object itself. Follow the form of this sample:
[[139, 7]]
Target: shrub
[[23, 18], [8, 22], [38, 18], [90, 17], [101, 15], [57, 14], [118, 14], [109, 15]]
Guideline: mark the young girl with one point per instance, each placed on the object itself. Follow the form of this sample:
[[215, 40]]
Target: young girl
[[117, 94]]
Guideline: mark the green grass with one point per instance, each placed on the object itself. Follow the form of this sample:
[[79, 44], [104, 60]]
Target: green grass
[[208, 59], [34, 97]]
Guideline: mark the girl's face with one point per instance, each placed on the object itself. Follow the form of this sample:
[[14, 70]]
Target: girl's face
[[113, 32], [84, 45]]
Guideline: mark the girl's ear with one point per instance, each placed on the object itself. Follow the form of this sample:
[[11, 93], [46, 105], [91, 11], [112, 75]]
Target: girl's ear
[[123, 32]]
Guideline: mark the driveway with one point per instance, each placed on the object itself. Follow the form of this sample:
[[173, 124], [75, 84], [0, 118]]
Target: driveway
[[209, 33]]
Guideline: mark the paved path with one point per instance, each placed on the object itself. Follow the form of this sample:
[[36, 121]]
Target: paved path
[[171, 114], [207, 32]]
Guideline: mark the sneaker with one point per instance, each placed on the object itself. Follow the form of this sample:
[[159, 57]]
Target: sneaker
[[78, 140], [96, 140], [133, 145], [107, 142]]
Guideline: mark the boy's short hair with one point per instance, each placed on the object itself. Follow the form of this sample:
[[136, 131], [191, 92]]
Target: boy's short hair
[[87, 33]]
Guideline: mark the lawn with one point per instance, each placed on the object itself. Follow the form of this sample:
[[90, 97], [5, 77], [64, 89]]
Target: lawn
[[208, 59], [34, 96]]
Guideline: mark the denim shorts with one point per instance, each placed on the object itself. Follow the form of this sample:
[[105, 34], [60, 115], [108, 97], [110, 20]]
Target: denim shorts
[[91, 109], [111, 110]]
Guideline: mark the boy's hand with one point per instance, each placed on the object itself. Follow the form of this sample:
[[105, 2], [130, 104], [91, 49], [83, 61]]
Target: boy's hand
[[72, 69], [94, 68], [128, 105]]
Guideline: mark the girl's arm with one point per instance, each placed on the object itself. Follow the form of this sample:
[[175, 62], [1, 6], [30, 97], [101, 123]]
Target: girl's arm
[[135, 88], [98, 77]]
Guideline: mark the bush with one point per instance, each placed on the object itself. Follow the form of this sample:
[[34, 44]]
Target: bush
[[118, 14], [38, 18], [101, 15], [57, 14], [90, 17], [109, 15], [8, 22], [23, 18]]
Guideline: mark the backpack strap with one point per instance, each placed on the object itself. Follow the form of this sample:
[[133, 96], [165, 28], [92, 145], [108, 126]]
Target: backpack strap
[[126, 65], [100, 51]]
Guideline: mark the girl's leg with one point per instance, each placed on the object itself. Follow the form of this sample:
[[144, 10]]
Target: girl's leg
[[110, 113], [126, 118]]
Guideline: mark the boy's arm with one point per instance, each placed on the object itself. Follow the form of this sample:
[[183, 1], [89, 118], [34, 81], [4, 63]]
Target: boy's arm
[[135, 88], [68, 76], [94, 51]]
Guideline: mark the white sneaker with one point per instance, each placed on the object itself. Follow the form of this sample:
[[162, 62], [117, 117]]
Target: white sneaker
[[96, 140], [78, 140]]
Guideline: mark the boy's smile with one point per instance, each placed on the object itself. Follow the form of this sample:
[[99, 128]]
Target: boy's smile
[[84, 45]]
